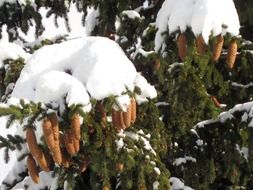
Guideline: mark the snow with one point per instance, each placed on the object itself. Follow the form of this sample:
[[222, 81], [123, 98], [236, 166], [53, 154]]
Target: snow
[[11, 51], [5, 168], [156, 185], [46, 180], [91, 20], [177, 184], [203, 17], [180, 161], [131, 14], [104, 73], [63, 84], [157, 170], [228, 115], [199, 142]]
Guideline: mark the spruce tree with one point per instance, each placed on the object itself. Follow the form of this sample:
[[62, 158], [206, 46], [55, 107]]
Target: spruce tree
[[196, 133]]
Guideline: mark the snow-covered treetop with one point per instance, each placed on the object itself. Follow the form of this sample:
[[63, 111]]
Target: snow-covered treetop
[[80, 69], [203, 17]]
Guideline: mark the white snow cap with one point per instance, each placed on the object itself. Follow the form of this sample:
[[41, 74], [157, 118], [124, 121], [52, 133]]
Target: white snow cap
[[95, 65], [204, 17], [11, 51]]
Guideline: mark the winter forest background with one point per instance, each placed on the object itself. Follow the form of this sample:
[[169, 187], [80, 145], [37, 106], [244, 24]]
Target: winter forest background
[[139, 95]]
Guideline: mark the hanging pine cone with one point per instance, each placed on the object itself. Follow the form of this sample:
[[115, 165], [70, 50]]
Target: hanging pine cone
[[43, 161], [118, 120], [32, 169], [218, 47], [69, 143], [231, 56], [133, 110], [65, 161], [119, 166], [127, 116], [32, 142], [76, 144], [51, 136], [76, 126], [157, 64], [216, 102], [182, 46], [201, 45], [101, 110]]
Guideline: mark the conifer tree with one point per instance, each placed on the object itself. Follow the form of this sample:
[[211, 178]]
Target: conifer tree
[[197, 133]]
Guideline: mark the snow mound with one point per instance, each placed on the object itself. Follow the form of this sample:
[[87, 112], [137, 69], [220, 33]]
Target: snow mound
[[94, 64], [203, 17], [11, 51]]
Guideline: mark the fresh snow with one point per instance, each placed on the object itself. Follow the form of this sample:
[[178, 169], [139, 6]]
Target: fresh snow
[[98, 63], [11, 51], [177, 184], [131, 14], [203, 17]]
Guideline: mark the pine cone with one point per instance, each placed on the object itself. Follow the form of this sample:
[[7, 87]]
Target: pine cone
[[157, 64], [56, 150], [216, 102], [127, 116], [201, 45], [218, 47], [32, 143], [76, 126], [101, 109], [32, 169], [69, 143], [65, 161], [182, 46], [76, 145], [118, 120], [119, 166], [133, 110], [51, 136], [43, 161], [48, 133], [231, 56]]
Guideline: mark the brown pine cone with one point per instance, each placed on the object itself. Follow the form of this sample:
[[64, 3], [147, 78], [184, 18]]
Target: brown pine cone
[[69, 143], [76, 126], [119, 166], [56, 150], [231, 56], [218, 47], [51, 135], [65, 161], [133, 110], [101, 109], [76, 145], [127, 116], [43, 161], [32, 169], [216, 102], [48, 133], [182, 46], [157, 64], [32, 143], [118, 120], [201, 45]]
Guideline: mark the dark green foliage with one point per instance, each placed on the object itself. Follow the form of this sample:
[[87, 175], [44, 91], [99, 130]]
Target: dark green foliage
[[212, 150]]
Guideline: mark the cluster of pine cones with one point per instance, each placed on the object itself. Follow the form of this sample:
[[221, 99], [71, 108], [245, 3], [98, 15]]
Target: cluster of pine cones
[[202, 48], [70, 140]]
